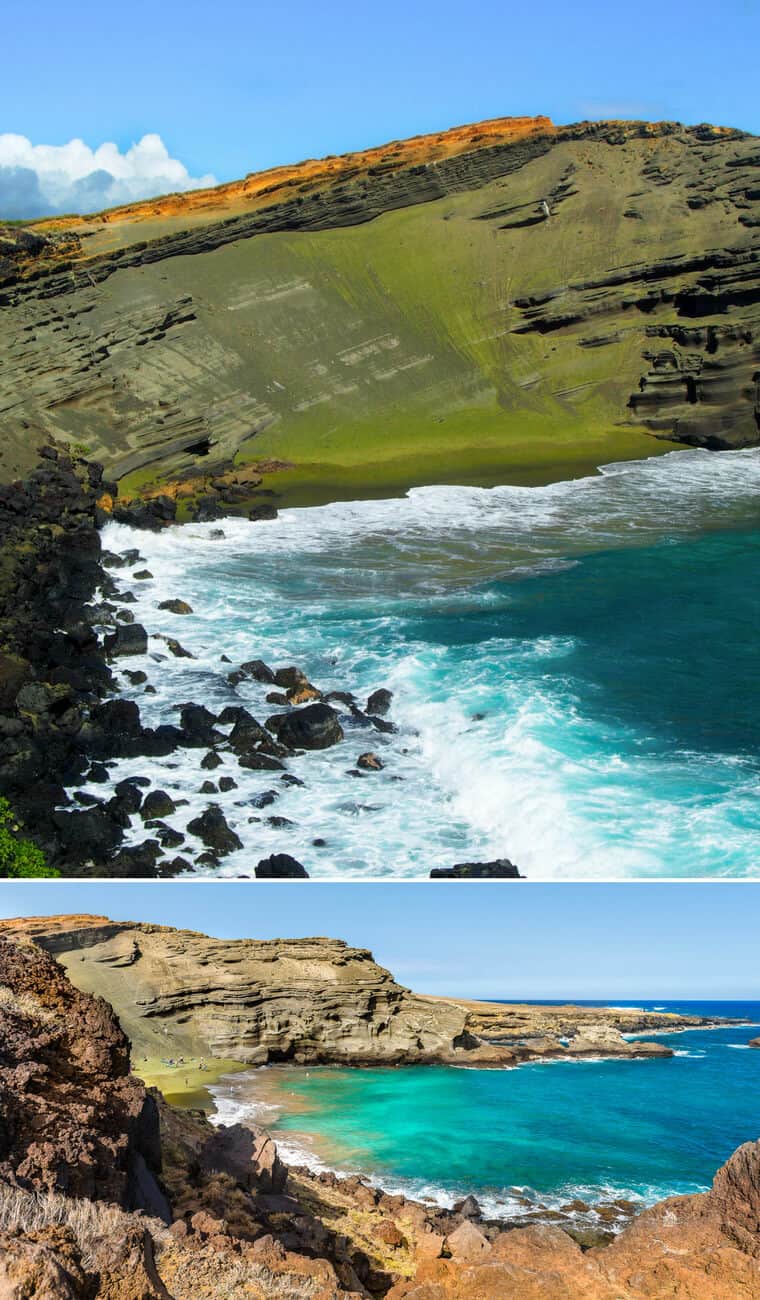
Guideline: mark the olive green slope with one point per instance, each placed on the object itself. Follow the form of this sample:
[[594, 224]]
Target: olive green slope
[[467, 337]]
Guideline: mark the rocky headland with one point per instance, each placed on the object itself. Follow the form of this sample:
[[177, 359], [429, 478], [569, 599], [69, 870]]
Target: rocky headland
[[311, 1001], [109, 1193]]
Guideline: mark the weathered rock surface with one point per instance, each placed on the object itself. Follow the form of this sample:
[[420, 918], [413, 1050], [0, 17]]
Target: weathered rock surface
[[499, 869], [687, 1247], [73, 1120], [650, 303], [316, 726], [309, 1000]]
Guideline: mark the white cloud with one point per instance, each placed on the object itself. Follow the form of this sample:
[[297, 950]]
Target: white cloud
[[43, 179]]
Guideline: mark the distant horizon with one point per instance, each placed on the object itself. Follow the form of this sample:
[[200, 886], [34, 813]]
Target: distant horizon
[[623, 941]]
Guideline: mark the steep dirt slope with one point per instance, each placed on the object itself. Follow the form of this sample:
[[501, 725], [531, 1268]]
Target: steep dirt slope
[[518, 303]]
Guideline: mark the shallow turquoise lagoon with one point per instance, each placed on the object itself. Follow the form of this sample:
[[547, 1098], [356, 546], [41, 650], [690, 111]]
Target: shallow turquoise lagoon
[[557, 1130]]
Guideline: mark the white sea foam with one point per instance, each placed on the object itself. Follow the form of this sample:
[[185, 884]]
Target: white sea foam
[[236, 1103], [493, 756]]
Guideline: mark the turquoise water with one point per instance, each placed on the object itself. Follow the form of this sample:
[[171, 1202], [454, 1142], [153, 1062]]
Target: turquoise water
[[574, 669], [555, 1130]]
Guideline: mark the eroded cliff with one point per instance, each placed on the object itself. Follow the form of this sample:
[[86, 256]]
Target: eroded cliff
[[316, 1000], [512, 300]]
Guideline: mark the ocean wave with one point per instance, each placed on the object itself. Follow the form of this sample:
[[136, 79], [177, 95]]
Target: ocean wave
[[495, 754]]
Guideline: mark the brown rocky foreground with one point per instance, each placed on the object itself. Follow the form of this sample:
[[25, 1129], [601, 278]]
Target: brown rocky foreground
[[310, 1001], [108, 1193]]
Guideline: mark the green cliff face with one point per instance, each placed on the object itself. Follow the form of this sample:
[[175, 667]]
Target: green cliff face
[[430, 325]]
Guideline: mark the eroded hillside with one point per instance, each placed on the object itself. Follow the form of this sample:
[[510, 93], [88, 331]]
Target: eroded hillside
[[509, 301], [310, 1000]]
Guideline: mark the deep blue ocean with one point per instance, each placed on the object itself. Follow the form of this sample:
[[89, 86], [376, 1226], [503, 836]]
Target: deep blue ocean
[[575, 670], [594, 1129]]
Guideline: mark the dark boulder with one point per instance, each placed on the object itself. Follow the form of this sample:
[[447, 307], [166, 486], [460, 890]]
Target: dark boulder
[[290, 679], [265, 799], [129, 795], [14, 672], [254, 670], [91, 834], [499, 869], [280, 866], [258, 762], [316, 726], [197, 723], [127, 639], [248, 738], [157, 804], [159, 742], [369, 763], [176, 648], [211, 827], [135, 676], [263, 510], [379, 702], [153, 514], [176, 606]]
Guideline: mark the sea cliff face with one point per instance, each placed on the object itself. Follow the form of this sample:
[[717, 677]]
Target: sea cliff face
[[316, 1001], [108, 1193], [393, 316]]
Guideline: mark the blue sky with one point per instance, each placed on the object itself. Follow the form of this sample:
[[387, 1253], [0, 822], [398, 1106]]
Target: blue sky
[[242, 85], [635, 940]]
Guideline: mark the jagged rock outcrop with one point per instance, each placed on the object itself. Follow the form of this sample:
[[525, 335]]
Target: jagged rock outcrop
[[687, 1247], [72, 1119], [310, 1001], [51, 666], [607, 284]]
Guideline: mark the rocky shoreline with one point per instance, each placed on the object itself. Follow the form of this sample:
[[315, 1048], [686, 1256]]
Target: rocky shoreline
[[109, 1193], [67, 639]]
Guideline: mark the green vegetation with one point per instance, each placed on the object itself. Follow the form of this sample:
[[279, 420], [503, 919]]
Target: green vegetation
[[19, 859]]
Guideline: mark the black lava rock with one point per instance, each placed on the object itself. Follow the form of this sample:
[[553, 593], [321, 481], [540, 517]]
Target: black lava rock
[[280, 866], [316, 726]]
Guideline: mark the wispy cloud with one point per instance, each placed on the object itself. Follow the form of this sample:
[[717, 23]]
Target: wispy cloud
[[41, 179], [626, 110]]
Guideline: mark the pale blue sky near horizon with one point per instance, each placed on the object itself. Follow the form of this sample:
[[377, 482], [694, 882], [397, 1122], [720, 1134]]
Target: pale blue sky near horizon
[[240, 86], [610, 941]]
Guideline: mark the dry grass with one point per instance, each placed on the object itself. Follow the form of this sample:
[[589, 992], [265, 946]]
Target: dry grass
[[92, 1223]]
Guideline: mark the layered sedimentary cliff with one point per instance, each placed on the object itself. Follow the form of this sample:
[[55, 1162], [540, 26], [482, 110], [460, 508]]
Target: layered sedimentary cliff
[[309, 1001], [403, 313]]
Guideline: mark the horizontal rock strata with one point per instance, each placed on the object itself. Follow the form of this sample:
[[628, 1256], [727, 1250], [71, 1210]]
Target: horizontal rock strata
[[619, 288], [311, 1001]]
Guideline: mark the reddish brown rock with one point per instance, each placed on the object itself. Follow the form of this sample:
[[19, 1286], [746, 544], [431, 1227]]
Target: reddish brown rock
[[71, 1118]]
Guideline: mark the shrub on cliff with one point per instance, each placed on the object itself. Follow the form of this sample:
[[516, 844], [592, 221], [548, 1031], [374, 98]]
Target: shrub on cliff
[[19, 859]]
